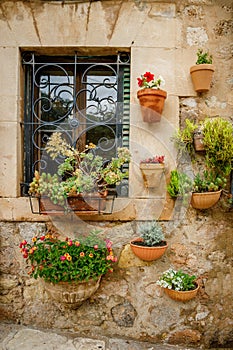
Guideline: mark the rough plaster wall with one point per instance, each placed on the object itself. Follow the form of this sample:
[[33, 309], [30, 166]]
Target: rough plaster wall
[[128, 302]]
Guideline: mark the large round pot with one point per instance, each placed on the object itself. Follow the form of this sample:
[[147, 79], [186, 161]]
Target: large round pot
[[181, 295], [152, 103], [205, 200], [147, 253], [72, 294], [201, 75]]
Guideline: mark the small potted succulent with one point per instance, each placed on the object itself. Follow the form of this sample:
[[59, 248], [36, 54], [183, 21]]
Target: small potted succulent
[[207, 188], [151, 97], [180, 185], [202, 71], [178, 285], [153, 171], [70, 269], [151, 244]]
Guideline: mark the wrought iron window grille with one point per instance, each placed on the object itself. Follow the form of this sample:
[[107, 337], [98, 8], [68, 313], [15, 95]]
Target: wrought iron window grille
[[84, 98]]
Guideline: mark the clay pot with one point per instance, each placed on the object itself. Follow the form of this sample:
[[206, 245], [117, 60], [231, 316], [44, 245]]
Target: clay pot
[[181, 295], [198, 142], [152, 103], [153, 174], [201, 75], [205, 200], [147, 253], [71, 294]]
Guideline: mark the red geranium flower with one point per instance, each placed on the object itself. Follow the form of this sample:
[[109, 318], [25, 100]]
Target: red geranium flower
[[149, 76]]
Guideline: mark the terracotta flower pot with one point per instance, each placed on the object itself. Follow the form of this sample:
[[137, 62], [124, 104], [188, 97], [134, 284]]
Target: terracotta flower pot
[[72, 294], [147, 253], [153, 174], [46, 206], [152, 103], [181, 295], [198, 142], [201, 75], [205, 200], [89, 202]]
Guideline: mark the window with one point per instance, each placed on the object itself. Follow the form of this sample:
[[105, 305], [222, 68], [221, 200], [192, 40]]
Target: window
[[84, 98]]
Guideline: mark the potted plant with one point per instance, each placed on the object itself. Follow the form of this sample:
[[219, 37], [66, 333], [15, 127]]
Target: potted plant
[[202, 71], [180, 185], [153, 170], [178, 285], [207, 188], [82, 178], [151, 244], [71, 269], [151, 97]]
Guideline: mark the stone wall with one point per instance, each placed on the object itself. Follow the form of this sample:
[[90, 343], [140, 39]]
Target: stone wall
[[163, 37]]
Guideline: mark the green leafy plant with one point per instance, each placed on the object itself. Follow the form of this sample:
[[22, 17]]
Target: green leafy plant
[[180, 184], [209, 181], [218, 136], [56, 260], [177, 280], [79, 172], [151, 233], [183, 138], [203, 57]]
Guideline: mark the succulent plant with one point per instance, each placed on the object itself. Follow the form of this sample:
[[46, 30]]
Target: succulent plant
[[151, 233]]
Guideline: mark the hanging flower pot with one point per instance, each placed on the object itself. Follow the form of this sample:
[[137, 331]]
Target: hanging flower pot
[[202, 71], [72, 294], [152, 103], [205, 200], [198, 141], [147, 253], [151, 244], [181, 295], [151, 97], [178, 285], [153, 170]]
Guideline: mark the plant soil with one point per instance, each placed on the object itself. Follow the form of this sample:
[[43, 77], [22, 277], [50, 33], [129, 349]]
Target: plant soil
[[143, 244]]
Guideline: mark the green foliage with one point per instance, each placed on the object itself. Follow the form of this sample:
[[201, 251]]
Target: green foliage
[[81, 259], [209, 181], [218, 142], [180, 184], [203, 57], [80, 172], [183, 138], [177, 280], [151, 233]]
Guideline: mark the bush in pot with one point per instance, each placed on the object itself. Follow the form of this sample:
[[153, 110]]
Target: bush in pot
[[69, 266], [153, 170], [151, 244]]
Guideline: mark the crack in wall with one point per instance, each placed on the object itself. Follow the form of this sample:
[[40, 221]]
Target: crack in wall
[[35, 23]]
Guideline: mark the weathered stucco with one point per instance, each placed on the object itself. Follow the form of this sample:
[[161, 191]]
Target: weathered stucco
[[163, 37]]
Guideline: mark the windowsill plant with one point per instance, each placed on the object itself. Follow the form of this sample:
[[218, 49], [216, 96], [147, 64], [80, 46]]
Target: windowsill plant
[[151, 97], [79, 173], [202, 71], [151, 243], [178, 285]]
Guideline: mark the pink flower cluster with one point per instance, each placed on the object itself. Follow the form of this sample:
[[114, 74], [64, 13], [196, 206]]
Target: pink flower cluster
[[155, 159]]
